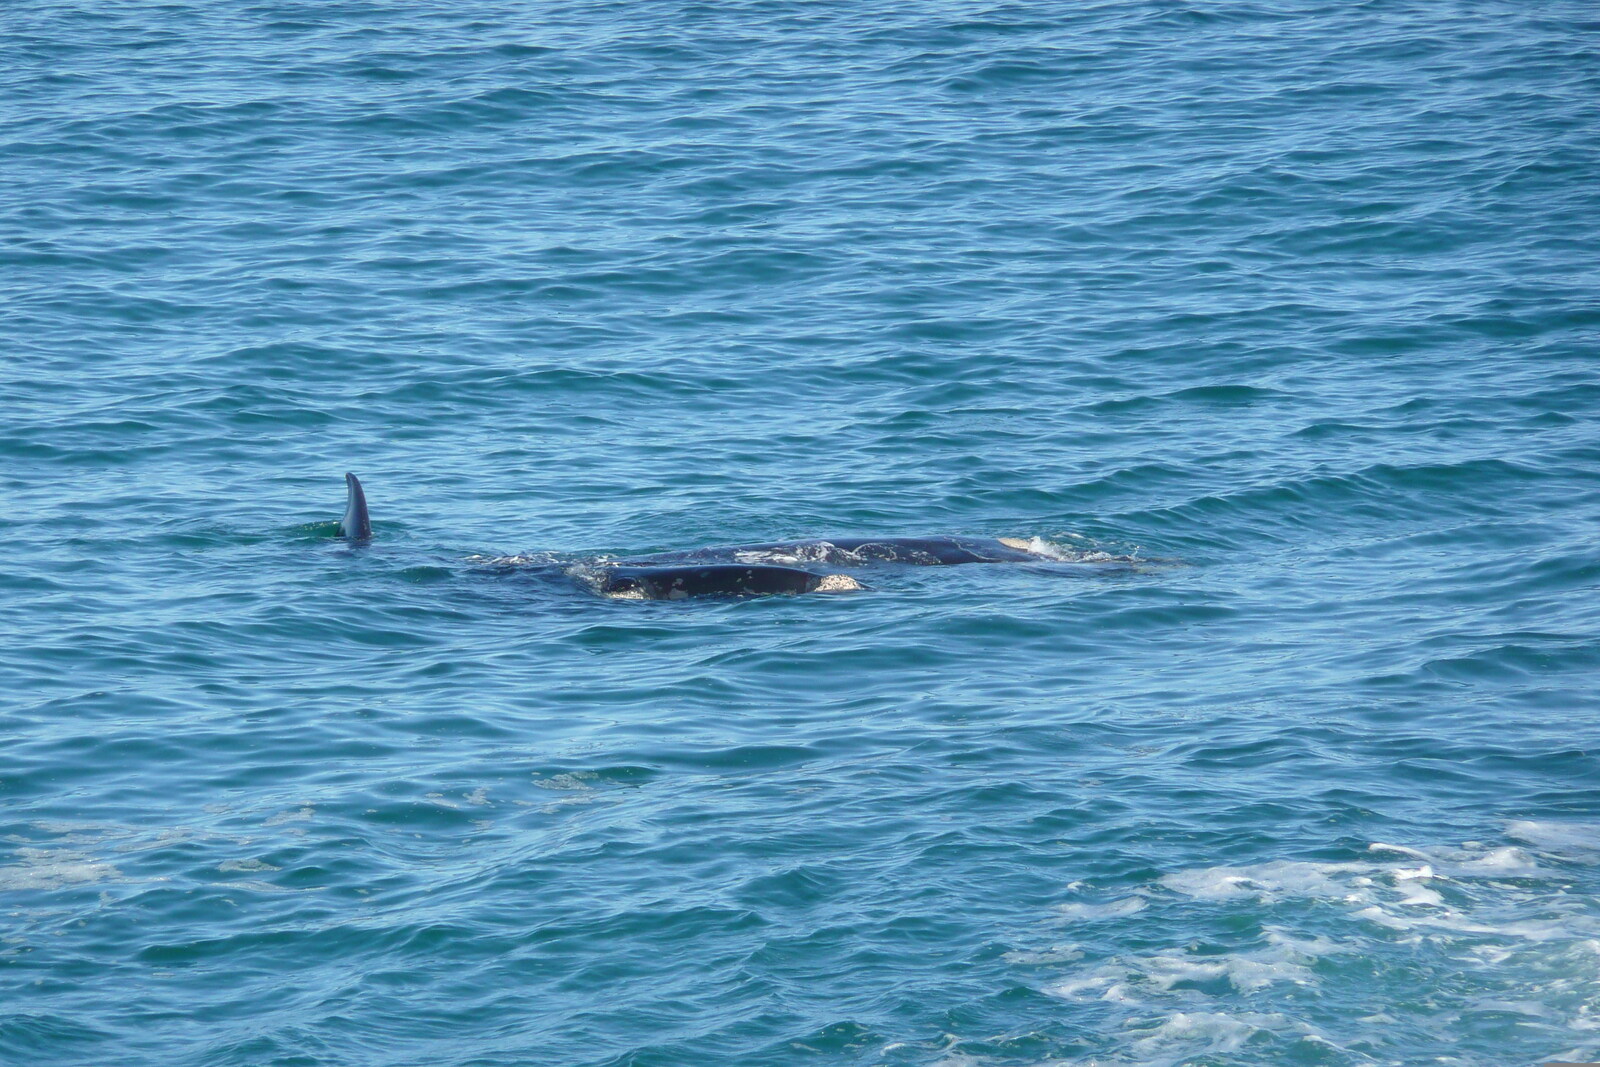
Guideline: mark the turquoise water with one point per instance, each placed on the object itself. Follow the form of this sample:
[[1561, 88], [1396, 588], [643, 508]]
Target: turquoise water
[[1294, 302]]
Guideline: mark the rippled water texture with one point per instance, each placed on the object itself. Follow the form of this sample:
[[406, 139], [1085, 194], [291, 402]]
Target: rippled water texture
[[1294, 301]]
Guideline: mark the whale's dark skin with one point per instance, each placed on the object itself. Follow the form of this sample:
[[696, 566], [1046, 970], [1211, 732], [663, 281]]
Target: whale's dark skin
[[355, 525], [718, 579], [921, 551]]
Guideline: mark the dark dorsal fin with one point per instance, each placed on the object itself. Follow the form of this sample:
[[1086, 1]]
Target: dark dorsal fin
[[355, 524]]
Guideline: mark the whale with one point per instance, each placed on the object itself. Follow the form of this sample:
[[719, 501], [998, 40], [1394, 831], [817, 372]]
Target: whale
[[759, 569]]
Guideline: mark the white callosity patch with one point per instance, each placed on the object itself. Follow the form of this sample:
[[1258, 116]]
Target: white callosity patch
[[1037, 545], [1299, 943]]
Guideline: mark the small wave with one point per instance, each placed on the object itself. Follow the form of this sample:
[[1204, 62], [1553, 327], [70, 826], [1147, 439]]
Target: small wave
[[528, 559]]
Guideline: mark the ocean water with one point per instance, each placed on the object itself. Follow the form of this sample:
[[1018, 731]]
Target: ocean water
[[1292, 301]]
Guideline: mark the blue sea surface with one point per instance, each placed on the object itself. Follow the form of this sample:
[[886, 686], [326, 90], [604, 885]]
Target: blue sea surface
[[1294, 302]]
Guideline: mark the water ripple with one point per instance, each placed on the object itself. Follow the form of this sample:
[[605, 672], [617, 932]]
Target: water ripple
[[1290, 304]]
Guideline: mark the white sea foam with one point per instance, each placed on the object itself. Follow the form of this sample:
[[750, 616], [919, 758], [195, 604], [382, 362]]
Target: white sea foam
[[1053, 954], [1569, 840], [567, 780], [1211, 1031], [1509, 862], [1139, 980], [1266, 882], [1499, 911], [305, 814], [1040, 547], [1244, 973], [54, 868], [521, 559], [1102, 910]]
